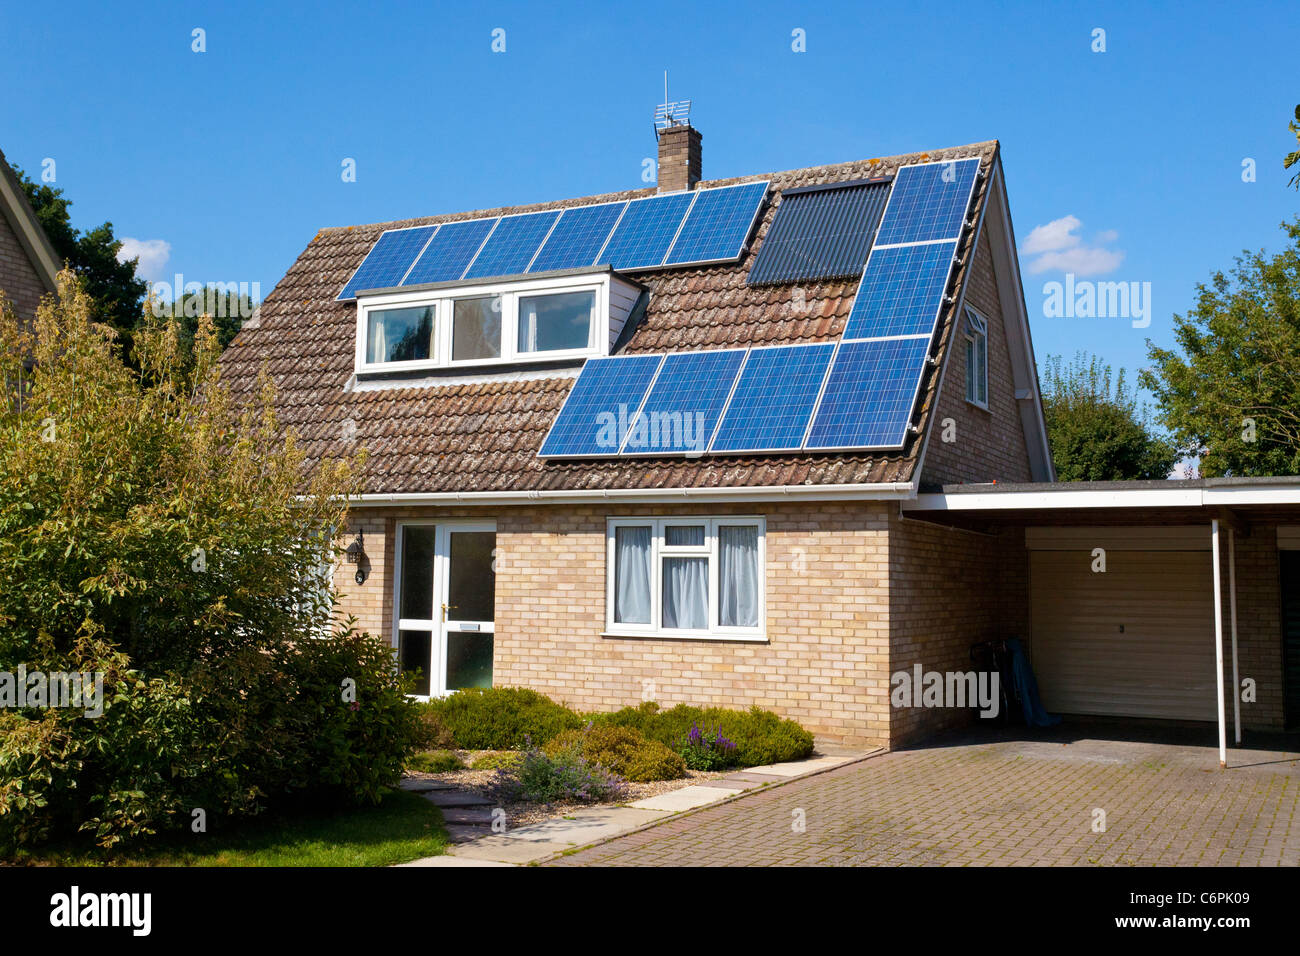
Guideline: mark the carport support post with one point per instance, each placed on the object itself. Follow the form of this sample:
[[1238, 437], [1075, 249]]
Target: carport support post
[[1218, 642], [1232, 616]]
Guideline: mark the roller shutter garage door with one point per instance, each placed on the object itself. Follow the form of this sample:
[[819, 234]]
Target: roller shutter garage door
[[1135, 641]]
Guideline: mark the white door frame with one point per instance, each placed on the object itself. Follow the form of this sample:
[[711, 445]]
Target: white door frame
[[443, 620]]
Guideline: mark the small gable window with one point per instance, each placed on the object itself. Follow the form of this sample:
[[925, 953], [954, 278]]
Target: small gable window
[[977, 359]]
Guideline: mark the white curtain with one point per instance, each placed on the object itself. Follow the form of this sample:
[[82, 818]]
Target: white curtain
[[632, 575], [378, 347], [528, 329], [686, 593], [738, 576]]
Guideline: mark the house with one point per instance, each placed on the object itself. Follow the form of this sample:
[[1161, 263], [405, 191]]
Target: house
[[28, 263], [767, 440]]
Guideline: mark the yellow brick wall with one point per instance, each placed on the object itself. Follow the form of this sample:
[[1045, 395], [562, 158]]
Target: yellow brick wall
[[854, 594], [20, 283], [824, 663]]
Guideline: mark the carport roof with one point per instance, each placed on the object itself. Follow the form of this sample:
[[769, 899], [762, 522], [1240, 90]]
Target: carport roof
[[1132, 502]]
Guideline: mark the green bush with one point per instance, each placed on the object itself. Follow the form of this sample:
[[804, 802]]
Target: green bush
[[760, 736], [565, 777], [502, 718], [435, 761], [497, 760], [431, 733], [164, 530], [624, 750]]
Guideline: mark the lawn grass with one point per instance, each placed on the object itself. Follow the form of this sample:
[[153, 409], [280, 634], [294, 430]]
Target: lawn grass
[[403, 827]]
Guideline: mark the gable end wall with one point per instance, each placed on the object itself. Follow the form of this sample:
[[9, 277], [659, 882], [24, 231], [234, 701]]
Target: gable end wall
[[989, 445]]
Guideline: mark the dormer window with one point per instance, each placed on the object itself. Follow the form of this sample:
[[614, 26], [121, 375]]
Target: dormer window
[[461, 325]]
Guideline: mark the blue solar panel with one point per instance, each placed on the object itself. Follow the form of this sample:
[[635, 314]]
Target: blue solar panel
[[601, 406], [512, 245], [901, 291], [388, 260], [718, 224], [928, 202], [867, 402], [683, 408], [577, 237], [774, 399], [450, 251], [642, 237]]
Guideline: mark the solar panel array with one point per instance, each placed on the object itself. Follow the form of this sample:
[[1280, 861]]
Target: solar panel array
[[857, 393], [672, 229]]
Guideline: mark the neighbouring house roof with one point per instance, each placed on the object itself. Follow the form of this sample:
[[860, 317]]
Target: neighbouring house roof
[[22, 219], [481, 433]]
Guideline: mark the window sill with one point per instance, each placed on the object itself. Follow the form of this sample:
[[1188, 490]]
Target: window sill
[[668, 636], [974, 404]]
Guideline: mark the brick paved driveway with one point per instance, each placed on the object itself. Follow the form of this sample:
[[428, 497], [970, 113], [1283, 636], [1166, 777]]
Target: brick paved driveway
[[993, 800]]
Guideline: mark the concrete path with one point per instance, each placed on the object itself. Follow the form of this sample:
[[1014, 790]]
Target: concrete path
[[537, 842]]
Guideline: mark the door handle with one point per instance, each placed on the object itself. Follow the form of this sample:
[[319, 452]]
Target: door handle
[[448, 607]]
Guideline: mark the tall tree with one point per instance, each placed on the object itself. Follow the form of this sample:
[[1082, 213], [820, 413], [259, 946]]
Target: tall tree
[[1095, 426], [1232, 394], [116, 295]]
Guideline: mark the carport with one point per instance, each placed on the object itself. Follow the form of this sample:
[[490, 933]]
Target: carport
[[1144, 599]]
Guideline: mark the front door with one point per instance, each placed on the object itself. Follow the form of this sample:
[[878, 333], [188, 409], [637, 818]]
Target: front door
[[445, 599]]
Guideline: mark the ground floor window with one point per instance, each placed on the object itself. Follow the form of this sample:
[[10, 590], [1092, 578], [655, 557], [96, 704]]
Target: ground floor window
[[686, 577]]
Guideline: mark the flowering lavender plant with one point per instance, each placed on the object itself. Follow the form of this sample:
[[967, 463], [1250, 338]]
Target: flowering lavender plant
[[563, 778], [707, 749]]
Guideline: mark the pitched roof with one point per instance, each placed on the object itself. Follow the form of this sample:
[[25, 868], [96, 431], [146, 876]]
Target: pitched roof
[[483, 436]]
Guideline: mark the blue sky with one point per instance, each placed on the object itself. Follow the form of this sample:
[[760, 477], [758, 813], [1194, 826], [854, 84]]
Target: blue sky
[[232, 157]]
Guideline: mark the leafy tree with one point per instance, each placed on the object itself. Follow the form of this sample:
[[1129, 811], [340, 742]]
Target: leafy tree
[[1232, 392], [1098, 433], [151, 531], [115, 294], [1294, 157]]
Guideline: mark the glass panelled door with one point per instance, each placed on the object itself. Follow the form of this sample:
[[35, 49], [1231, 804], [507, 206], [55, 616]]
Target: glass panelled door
[[446, 598], [469, 605]]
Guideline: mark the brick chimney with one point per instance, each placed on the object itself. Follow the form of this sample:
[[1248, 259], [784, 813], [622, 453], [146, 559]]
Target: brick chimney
[[679, 158]]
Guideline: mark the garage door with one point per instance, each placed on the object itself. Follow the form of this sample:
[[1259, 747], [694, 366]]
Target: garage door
[[1135, 641]]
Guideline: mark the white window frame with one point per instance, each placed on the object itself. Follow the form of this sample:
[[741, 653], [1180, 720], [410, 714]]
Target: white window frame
[[442, 301], [659, 550], [977, 341]]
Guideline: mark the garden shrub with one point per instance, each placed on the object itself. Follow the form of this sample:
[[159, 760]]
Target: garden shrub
[[162, 529], [566, 777], [501, 718], [497, 760], [435, 761], [760, 736], [624, 750], [431, 732]]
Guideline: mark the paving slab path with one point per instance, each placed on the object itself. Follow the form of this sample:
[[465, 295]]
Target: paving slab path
[[469, 818]]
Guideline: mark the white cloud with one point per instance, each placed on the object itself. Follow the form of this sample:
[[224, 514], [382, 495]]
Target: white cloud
[[1058, 248], [152, 253], [1057, 234], [1082, 261]]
